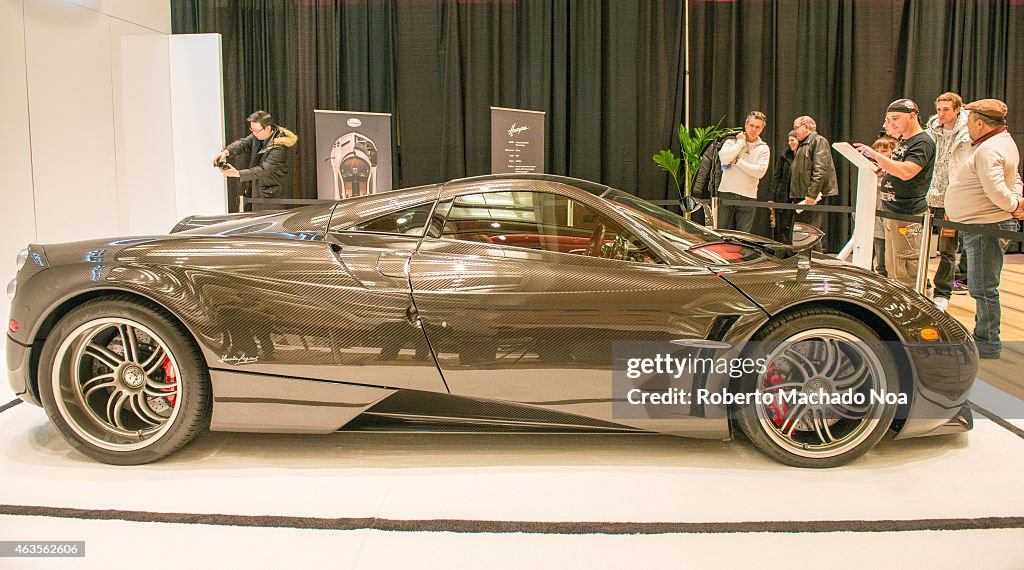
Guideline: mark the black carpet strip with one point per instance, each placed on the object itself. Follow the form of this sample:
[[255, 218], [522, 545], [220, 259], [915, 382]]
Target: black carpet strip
[[533, 527], [9, 405], [998, 420]]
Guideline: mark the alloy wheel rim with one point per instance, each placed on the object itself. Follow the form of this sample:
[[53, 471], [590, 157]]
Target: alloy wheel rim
[[116, 384], [822, 362]]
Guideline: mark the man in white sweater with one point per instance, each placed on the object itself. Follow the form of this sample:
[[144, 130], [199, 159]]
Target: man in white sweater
[[982, 193], [744, 162]]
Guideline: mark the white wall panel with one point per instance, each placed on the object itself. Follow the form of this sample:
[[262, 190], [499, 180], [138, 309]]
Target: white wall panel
[[71, 121], [19, 224], [198, 115], [152, 14], [140, 61]]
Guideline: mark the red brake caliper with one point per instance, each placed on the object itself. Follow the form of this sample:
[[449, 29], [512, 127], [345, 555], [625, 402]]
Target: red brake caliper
[[169, 378], [778, 408]]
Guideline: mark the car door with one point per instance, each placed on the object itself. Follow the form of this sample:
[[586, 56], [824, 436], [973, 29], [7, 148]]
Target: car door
[[525, 295], [338, 310]]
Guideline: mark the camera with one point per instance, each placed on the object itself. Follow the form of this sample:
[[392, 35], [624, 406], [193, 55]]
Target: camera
[[223, 164]]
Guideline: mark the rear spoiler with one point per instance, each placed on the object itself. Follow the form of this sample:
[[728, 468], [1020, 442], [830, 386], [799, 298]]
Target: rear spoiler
[[201, 221]]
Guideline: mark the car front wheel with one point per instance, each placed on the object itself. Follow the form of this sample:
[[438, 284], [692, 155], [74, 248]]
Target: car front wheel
[[828, 391], [123, 382]]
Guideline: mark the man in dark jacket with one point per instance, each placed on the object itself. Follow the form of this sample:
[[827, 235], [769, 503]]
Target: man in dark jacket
[[813, 176], [267, 148]]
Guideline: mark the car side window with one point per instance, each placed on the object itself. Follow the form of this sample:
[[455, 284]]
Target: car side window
[[410, 221], [543, 221]]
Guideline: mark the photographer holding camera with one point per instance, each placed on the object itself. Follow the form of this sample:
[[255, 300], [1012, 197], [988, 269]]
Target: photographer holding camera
[[267, 147]]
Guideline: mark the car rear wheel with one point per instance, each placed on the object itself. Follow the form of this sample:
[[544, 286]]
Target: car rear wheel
[[123, 382], [827, 393]]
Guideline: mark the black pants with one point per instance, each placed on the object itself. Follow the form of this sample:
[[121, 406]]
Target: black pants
[[878, 254], [784, 226], [735, 217], [948, 243], [961, 266]]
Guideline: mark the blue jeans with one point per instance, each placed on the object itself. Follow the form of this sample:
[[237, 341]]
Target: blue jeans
[[984, 265]]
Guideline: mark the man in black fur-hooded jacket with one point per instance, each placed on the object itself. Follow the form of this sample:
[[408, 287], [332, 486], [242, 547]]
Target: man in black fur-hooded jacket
[[267, 148]]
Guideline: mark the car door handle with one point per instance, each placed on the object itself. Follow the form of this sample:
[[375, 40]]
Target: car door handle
[[413, 316], [394, 264]]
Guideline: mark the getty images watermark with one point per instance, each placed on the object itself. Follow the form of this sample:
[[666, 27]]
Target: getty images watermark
[[841, 377], [735, 368]]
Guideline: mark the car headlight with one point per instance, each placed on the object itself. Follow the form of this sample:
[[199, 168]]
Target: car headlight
[[22, 258]]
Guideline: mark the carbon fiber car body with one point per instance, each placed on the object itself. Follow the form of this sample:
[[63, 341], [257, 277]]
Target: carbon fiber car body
[[308, 326]]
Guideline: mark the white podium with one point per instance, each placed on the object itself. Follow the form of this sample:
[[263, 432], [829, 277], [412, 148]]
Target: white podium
[[861, 244]]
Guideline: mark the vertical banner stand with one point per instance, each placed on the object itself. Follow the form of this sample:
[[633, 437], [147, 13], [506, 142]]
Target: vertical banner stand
[[861, 244], [353, 153], [517, 141]]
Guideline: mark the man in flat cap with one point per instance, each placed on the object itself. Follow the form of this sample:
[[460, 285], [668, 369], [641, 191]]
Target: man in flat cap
[[985, 191], [812, 175], [904, 187]]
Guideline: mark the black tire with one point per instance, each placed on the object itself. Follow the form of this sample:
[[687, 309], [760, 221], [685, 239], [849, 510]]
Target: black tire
[[146, 390], [823, 435]]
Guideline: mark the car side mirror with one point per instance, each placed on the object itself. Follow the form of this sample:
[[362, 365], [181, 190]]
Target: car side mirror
[[690, 204], [806, 236]]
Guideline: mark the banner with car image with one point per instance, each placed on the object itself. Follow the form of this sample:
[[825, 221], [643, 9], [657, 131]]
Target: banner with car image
[[353, 154]]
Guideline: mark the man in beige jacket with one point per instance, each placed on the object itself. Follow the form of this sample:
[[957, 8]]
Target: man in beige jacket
[[982, 193]]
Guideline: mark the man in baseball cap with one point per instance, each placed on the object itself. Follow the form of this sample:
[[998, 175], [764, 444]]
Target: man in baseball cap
[[985, 192], [903, 106], [904, 187]]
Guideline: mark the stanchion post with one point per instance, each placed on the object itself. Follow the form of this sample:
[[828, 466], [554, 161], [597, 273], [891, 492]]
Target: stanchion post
[[714, 212], [922, 254]]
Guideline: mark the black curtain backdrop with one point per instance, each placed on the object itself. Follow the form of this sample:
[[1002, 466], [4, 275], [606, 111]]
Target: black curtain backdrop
[[609, 74], [843, 61]]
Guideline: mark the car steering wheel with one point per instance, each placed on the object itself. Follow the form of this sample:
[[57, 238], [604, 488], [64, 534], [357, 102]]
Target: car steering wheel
[[620, 248]]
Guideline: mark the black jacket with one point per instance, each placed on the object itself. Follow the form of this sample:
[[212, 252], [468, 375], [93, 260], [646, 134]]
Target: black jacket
[[779, 191], [709, 174], [813, 171], [268, 165]]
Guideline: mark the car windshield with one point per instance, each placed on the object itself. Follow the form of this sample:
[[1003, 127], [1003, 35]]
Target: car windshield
[[671, 227]]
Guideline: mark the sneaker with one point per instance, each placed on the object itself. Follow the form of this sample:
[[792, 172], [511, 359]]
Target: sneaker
[[942, 303], [959, 287], [988, 355]]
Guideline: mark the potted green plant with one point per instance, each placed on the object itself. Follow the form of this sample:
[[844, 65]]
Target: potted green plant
[[691, 144]]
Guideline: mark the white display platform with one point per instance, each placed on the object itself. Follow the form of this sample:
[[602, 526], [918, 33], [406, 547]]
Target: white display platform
[[574, 479]]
